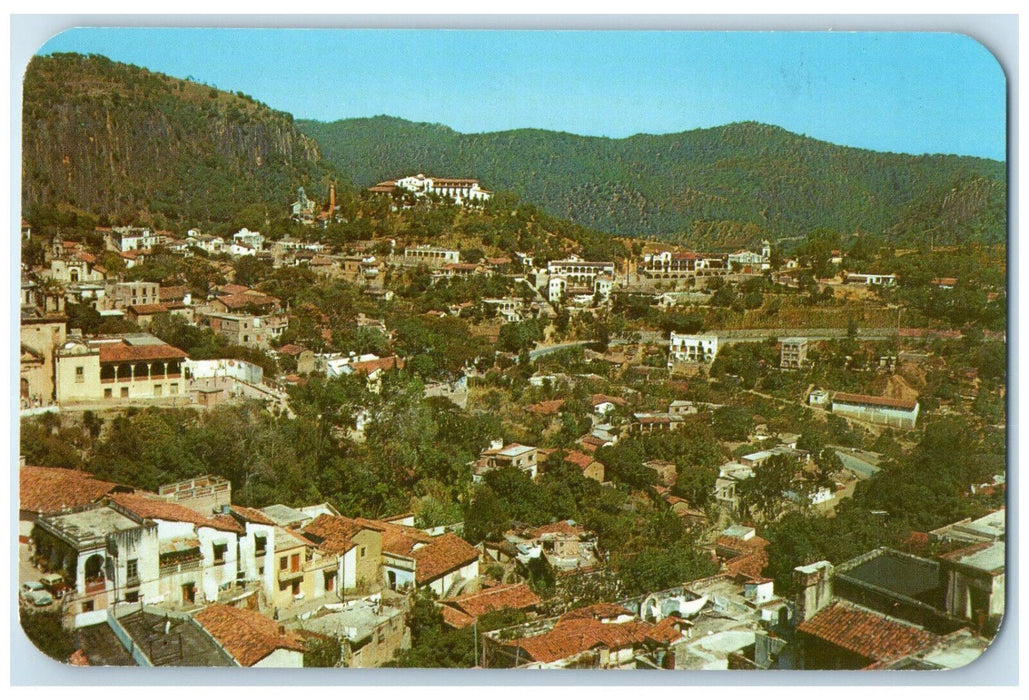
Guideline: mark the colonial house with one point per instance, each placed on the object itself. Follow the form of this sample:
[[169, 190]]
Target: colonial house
[[693, 349], [197, 554], [129, 367], [107, 554]]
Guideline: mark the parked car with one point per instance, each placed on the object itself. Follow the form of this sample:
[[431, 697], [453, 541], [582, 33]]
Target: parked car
[[32, 592], [55, 585]]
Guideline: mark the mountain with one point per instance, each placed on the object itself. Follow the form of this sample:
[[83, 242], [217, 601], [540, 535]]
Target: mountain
[[125, 144], [718, 187]]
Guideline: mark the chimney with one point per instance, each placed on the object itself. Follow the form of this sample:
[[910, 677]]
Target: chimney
[[814, 589]]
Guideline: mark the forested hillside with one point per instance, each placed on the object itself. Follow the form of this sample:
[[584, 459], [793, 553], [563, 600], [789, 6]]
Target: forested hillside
[[125, 144], [719, 187]]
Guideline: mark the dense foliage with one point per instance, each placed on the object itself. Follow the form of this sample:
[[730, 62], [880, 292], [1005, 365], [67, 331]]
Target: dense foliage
[[719, 187]]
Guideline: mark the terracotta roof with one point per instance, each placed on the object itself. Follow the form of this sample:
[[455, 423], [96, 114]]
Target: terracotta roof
[[244, 299], [908, 404], [232, 288], [332, 533], [866, 633], [292, 349], [49, 489], [148, 309], [247, 635], [668, 631], [597, 611], [154, 508], [517, 596], [123, 352], [574, 636], [602, 398], [546, 408], [369, 366], [251, 515], [455, 618], [172, 293], [561, 527], [579, 459], [441, 556]]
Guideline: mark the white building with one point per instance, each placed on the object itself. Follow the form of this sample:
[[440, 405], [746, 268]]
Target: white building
[[431, 256], [251, 239], [458, 189], [700, 349]]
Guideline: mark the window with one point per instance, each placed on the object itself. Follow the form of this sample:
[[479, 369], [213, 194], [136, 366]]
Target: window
[[364, 550], [108, 393], [132, 597], [296, 588], [125, 392], [80, 374], [260, 545], [87, 605], [158, 389], [132, 570], [173, 388], [219, 552], [283, 563]]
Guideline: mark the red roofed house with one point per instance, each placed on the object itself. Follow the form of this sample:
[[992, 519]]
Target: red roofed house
[[845, 636], [48, 490], [251, 639], [590, 467], [896, 413], [587, 638], [462, 611], [143, 314], [414, 558], [197, 553], [132, 367]]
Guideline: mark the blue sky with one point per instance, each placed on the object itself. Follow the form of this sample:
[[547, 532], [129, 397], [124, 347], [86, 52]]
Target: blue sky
[[902, 92]]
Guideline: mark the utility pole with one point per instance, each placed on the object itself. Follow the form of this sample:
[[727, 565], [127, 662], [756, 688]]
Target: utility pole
[[475, 631]]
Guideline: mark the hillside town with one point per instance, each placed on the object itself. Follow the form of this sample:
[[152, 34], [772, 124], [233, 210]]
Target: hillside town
[[421, 426]]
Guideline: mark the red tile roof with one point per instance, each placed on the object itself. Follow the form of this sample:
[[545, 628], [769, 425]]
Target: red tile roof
[[597, 611], [441, 556], [908, 404], [123, 352], [244, 299], [517, 596], [384, 363], [579, 459], [455, 618], [49, 489], [174, 293], [333, 534], [247, 635], [576, 635], [546, 408], [251, 515], [596, 399], [866, 633], [156, 509], [148, 309], [292, 349], [561, 527]]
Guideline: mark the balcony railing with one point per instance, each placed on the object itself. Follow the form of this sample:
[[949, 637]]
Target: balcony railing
[[287, 576], [96, 586]]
